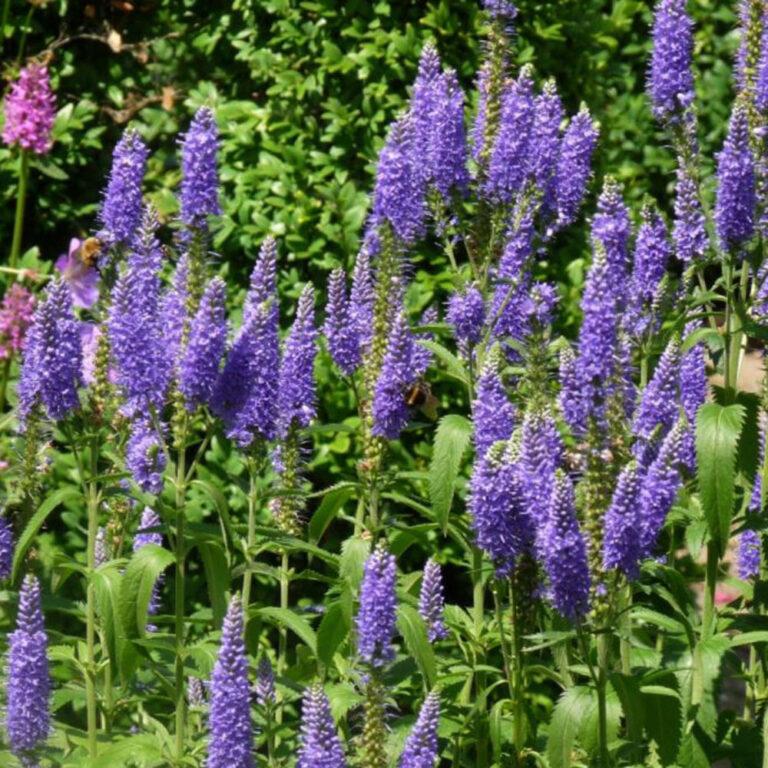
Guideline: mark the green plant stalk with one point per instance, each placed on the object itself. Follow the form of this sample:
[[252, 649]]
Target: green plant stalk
[[254, 468], [765, 740], [180, 555], [625, 645], [90, 615], [282, 648], [602, 689], [518, 675], [478, 616], [4, 381], [21, 199]]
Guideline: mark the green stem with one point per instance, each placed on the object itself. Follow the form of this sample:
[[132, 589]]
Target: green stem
[[21, 199], [4, 19], [518, 679], [625, 644], [90, 625], [254, 465], [282, 650], [602, 686], [478, 615], [4, 381], [181, 493], [708, 619]]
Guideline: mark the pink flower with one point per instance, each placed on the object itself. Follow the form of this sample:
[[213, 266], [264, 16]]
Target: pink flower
[[83, 280], [30, 109], [16, 312]]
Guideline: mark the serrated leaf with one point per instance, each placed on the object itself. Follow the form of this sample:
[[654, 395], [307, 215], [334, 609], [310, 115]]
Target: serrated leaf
[[414, 632], [717, 436], [287, 618], [567, 719], [331, 633], [144, 568], [453, 366], [451, 440], [106, 583]]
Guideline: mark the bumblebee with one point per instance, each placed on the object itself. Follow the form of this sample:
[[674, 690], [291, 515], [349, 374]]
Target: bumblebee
[[89, 251], [419, 395]]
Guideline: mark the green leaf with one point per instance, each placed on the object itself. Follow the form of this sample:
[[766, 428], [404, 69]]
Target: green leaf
[[717, 436], [220, 502], [570, 712], [331, 633], [414, 633], [36, 522], [287, 618], [139, 579], [354, 553], [106, 583], [453, 366], [749, 638], [216, 577], [451, 440], [663, 718], [329, 507], [143, 750]]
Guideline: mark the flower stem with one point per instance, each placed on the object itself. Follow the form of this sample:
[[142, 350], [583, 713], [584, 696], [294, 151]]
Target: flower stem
[[518, 675], [90, 619], [181, 492], [282, 649], [254, 466], [21, 198]]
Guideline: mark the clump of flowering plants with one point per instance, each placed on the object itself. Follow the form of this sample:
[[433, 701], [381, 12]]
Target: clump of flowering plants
[[219, 610]]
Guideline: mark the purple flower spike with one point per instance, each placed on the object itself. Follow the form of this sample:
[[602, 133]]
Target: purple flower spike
[[497, 506], [120, 214], [564, 554], [199, 366], [750, 554], [500, 10], [466, 313], [390, 410], [83, 280], [421, 357], [421, 746], [612, 227], [622, 521], [148, 533], [144, 456], [27, 715], [375, 621], [320, 743], [693, 386], [492, 413], [670, 79], [52, 366], [17, 311], [361, 297], [736, 184], [6, 547], [761, 78], [340, 329], [136, 333], [545, 140], [541, 454], [689, 233], [200, 179], [263, 284], [660, 487], [508, 161], [173, 309], [398, 195], [100, 548], [574, 167], [230, 744], [30, 109], [265, 683], [296, 390], [447, 154], [570, 400], [432, 602]]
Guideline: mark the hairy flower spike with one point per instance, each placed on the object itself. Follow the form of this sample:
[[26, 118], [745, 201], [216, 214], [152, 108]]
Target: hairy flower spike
[[500, 10], [265, 683], [390, 409], [296, 388], [466, 313], [6, 547], [545, 139], [693, 386], [340, 329], [432, 602], [230, 743], [120, 213], [375, 620], [570, 400], [199, 367], [750, 554], [493, 415], [30, 109], [541, 454], [52, 366], [144, 456], [736, 184], [689, 233], [612, 228], [263, 283], [622, 521], [421, 746], [27, 715], [200, 179], [320, 743], [670, 78], [362, 297], [564, 553], [16, 314]]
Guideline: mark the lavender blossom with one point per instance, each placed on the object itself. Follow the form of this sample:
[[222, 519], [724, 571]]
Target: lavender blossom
[[541, 453], [375, 621], [432, 602], [466, 313], [507, 165], [545, 139], [320, 743], [6, 547], [199, 366], [670, 78], [756, 497], [144, 456], [574, 168], [361, 297], [570, 400], [398, 195], [500, 10], [263, 282], [120, 213], [340, 329], [658, 407], [622, 522], [52, 365], [390, 410], [30, 110], [564, 554], [147, 533], [761, 76], [421, 356], [689, 232], [497, 507], [736, 184], [493, 415], [100, 550], [447, 153], [480, 123], [265, 683], [28, 688], [612, 228], [136, 333], [421, 746], [17, 312], [230, 743], [195, 692], [659, 489], [296, 388], [693, 387], [173, 309], [200, 179], [750, 554]]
